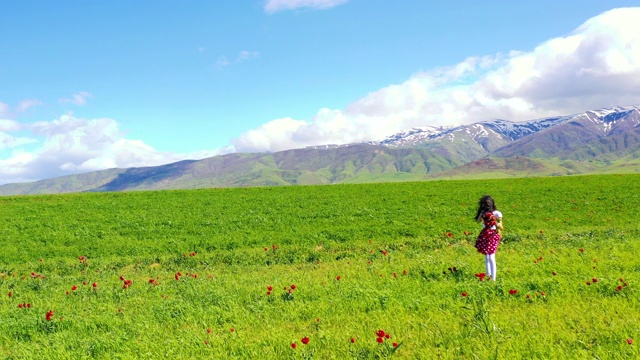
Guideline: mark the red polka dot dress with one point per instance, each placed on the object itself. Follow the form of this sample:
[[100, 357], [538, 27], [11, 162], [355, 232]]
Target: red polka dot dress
[[489, 238]]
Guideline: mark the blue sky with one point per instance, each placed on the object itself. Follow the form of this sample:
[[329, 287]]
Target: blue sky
[[90, 85]]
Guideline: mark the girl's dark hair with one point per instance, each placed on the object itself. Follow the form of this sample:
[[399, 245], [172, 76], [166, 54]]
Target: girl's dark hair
[[486, 204]]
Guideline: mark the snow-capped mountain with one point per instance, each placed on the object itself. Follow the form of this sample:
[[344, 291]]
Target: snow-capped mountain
[[495, 134], [603, 140]]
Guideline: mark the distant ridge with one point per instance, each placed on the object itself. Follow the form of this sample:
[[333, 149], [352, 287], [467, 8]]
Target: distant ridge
[[596, 141]]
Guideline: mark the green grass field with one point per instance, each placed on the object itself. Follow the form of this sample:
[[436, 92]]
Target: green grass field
[[248, 273]]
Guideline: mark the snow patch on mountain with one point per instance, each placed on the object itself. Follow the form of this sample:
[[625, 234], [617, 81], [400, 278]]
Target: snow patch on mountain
[[606, 119]]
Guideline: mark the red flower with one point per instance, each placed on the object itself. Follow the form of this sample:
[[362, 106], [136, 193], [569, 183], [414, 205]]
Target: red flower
[[20, 306], [629, 341], [10, 294], [543, 293], [74, 288], [353, 340], [464, 294], [594, 280], [338, 277], [395, 344], [193, 253], [95, 285], [380, 340], [305, 340], [49, 315], [480, 276], [588, 282], [208, 330], [619, 288], [581, 250], [269, 287], [387, 336], [121, 277], [404, 272], [266, 249], [268, 293], [294, 345], [293, 286], [384, 252], [380, 333], [513, 291], [553, 273], [232, 330]]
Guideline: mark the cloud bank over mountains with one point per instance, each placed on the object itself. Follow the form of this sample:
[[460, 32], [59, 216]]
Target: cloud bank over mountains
[[597, 65]]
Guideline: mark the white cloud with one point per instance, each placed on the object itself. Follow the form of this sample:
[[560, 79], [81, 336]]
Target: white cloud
[[71, 145], [24, 105], [273, 6], [247, 55], [242, 56], [5, 110], [597, 65], [79, 98]]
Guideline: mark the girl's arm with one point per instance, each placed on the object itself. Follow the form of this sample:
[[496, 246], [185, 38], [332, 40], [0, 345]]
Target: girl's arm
[[499, 225]]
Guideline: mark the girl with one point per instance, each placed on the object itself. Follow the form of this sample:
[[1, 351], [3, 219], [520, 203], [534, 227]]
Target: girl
[[489, 238]]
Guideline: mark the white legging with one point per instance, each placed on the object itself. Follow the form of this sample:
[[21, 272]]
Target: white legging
[[490, 262]]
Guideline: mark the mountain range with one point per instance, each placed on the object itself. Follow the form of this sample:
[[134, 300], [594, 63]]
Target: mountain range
[[597, 141]]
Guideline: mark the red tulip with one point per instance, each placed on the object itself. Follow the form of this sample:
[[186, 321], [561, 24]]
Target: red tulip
[[629, 341], [513, 291], [293, 287], [49, 315], [380, 340], [305, 340], [294, 345], [353, 340], [395, 344], [464, 294]]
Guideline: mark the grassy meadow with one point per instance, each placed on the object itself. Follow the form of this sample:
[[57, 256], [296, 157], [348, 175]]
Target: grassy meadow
[[329, 272]]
